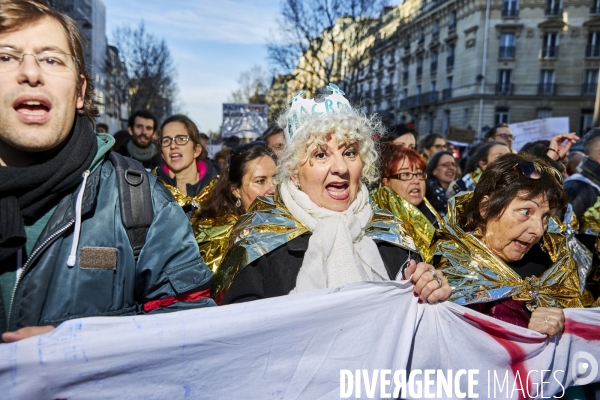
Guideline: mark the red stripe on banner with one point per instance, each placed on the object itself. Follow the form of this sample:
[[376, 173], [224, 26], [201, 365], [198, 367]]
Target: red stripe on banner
[[505, 338], [154, 304], [583, 330]]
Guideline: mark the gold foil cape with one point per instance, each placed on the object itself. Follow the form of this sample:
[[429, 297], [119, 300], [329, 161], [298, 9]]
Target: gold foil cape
[[582, 256], [269, 225], [212, 235], [411, 218], [590, 220], [197, 201], [476, 275]]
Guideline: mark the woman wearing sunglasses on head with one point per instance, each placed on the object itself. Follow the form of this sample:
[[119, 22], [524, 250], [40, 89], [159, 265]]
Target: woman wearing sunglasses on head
[[187, 173], [249, 174], [402, 192], [502, 252]]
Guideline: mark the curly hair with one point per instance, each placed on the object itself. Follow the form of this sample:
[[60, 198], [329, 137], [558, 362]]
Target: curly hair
[[351, 128], [15, 15]]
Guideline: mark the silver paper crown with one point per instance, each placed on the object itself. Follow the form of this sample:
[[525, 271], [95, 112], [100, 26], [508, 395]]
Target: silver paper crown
[[302, 109]]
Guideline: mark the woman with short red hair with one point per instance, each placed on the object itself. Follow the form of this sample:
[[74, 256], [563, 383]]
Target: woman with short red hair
[[402, 192]]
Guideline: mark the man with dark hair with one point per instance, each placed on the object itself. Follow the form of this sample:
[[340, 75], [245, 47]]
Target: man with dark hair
[[64, 249], [141, 126], [500, 133], [583, 187], [273, 136], [101, 128], [400, 135]]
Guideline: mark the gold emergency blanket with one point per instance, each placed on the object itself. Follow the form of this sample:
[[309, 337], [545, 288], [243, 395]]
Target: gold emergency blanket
[[582, 256], [411, 218], [212, 235], [269, 224], [590, 222], [476, 275], [197, 201]]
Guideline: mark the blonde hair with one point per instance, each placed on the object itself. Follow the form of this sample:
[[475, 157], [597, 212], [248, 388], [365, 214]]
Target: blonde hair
[[348, 128]]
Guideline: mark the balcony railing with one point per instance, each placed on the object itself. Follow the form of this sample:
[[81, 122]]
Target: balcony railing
[[506, 52], [589, 89], [449, 62], [550, 52], [555, 10], [504, 89], [546, 89], [433, 67], [428, 98], [592, 51], [510, 12], [411, 101], [447, 94], [419, 71]]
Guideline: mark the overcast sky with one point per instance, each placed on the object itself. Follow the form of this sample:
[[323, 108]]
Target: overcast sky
[[212, 42]]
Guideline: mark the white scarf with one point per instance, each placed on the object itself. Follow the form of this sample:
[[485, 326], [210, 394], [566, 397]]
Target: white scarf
[[338, 251]]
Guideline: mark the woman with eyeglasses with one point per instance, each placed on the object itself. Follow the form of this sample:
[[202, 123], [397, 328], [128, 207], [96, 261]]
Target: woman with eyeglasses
[[503, 253], [402, 192], [186, 171], [249, 174], [441, 172]]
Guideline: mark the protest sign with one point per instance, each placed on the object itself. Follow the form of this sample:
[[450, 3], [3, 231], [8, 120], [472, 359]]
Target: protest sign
[[244, 120], [538, 129]]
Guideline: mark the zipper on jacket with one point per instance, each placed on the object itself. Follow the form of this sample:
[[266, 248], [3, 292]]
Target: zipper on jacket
[[30, 260]]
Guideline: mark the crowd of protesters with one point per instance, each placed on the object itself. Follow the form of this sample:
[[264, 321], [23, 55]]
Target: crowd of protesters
[[331, 197]]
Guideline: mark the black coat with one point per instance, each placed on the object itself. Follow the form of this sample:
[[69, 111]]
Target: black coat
[[581, 195], [274, 274]]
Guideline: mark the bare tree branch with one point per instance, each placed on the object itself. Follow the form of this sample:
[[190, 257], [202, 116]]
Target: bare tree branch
[[321, 41], [150, 69]]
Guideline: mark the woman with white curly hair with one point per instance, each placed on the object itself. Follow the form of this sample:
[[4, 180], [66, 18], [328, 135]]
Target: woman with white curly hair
[[319, 230]]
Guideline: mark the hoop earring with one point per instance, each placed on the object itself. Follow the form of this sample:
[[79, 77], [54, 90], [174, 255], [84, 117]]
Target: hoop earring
[[238, 203]]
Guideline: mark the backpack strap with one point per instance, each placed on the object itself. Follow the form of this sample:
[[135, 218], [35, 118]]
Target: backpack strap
[[135, 199]]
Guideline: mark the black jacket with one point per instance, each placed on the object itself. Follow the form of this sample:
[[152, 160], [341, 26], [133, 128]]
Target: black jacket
[[274, 274], [581, 195]]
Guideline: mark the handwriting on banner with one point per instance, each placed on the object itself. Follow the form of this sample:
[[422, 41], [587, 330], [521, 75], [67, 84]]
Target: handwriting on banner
[[538, 129]]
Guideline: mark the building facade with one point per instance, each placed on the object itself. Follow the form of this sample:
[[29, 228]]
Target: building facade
[[475, 63], [104, 65]]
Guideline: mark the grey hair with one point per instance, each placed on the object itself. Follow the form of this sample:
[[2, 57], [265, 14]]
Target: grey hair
[[351, 128]]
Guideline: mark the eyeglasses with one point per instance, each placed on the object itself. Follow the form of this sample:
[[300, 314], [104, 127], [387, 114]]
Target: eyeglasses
[[505, 136], [533, 170], [179, 140], [52, 62], [236, 151], [408, 176]]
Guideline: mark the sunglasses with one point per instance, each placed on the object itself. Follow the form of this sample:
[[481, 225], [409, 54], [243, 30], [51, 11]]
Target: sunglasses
[[238, 150], [533, 170]]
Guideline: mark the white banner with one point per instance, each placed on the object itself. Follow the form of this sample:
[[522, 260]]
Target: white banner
[[354, 341], [538, 129]]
